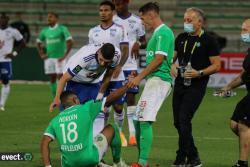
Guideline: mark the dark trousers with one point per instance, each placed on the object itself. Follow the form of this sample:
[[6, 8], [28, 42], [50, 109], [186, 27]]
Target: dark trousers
[[186, 101]]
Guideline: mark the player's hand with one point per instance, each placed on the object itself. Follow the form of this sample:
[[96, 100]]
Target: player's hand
[[10, 55], [133, 81], [191, 74], [53, 105], [43, 56], [135, 50], [174, 70], [61, 59], [117, 71], [222, 92]]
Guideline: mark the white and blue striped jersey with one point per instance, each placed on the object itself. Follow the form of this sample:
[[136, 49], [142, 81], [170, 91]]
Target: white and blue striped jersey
[[84, 67], [115, 34], [135, 29]]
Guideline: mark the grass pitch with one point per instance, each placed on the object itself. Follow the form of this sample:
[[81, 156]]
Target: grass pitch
[[26, 117]]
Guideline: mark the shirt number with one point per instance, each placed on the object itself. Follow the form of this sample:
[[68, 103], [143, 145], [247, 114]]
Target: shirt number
[[70, 134]]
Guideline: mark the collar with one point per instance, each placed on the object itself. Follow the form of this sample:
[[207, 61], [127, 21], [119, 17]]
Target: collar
[[54, 27]]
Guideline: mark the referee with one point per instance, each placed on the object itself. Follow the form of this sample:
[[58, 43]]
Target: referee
[[201, 50], [240, 120]]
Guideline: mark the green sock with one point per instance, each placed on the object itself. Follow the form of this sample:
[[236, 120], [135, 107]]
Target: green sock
[[116, 145], [137, 134], [146, 140], [53, 87]]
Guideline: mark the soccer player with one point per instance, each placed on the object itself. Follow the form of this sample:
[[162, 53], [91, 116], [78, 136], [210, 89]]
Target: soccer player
[[83, 70], [58, 43], [240, 120], [73, 129], [8, 36], [108, 31], [159, 56], [136, 35]]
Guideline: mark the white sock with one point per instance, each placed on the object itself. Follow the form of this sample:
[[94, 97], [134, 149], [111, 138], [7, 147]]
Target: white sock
[[4, 94], [106, 119], [119, 119], [98, 125], [130, 114]]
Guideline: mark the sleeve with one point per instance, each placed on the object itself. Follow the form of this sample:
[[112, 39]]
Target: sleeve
[[17, 35], [66, 33], [90, 35], [123, 36], [75, 64], [50, 131], [96, 106], [41, 37], [140, 30], [213, 47], [163, 42]]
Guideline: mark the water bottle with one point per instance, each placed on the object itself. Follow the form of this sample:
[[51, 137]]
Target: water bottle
[[187, 81]]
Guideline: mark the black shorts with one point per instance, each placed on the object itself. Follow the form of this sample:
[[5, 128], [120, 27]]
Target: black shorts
[[242, 111]]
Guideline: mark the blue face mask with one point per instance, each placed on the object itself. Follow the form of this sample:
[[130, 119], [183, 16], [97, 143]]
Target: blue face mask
[[245, 37], [188, 27]]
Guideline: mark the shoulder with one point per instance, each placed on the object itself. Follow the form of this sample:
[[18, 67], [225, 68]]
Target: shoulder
[[11, 29], [97, 28], [181, 36], [135, 17], [117, 26]]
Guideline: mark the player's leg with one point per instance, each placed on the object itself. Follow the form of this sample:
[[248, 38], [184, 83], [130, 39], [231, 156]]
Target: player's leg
[[110, 136], [6, 74], [236, 116], [118, 110], [131, 107], [50, 70], [153, 95]]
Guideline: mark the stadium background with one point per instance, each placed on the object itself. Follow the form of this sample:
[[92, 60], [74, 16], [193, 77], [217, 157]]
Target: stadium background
[[26, 116]]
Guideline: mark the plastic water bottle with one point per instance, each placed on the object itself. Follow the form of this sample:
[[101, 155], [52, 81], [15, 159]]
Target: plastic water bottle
[[187, 81]]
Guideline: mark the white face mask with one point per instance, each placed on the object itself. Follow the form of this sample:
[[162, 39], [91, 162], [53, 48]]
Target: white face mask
[[245, 37], [188, 27]]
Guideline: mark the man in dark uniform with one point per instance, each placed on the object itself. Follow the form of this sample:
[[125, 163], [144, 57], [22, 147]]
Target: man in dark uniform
[[240, 120], [199, 49]]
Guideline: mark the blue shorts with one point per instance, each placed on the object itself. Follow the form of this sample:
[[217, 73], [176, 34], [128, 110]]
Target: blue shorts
[[114, 85], [84, 91], [5, 70], [134, 90]]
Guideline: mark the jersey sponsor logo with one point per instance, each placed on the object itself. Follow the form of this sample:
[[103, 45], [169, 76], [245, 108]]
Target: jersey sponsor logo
[[150, 53], [88, 58], [231, 62], [77, 69], [52, 41]]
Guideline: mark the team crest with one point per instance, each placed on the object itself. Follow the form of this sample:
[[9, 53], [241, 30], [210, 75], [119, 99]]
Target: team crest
[[112, 32], [77, 69]]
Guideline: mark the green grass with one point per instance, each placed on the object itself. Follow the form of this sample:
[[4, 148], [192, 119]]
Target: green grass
[[26, 117]]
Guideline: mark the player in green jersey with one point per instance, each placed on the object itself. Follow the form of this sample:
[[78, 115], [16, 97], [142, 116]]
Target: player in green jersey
[[73, 129], [57, 42], [159, 56]]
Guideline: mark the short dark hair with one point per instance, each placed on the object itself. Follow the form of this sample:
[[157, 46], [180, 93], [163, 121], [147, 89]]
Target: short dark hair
[[108, 3], [108, 51], [4, 15], [54, 14], [150, 6], [64, 98]]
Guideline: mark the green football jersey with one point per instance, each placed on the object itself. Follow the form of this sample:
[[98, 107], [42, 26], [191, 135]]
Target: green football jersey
[[161, 42], [73, 129], [55, 39]]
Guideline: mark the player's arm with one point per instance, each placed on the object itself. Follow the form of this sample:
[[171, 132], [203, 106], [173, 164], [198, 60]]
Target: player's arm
[[149, 69], [124, 56], [40, 46], [141, 44], [234, 83], [60, 87], [174, 66], [45, 150], [105, 82]]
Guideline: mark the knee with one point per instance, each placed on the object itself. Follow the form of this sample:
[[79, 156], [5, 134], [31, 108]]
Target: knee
[[234, 127], [118, 108]]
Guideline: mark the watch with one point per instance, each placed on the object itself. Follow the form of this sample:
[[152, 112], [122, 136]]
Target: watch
[[201, 73]]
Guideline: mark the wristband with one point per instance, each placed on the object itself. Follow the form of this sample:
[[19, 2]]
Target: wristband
[[14, 53]]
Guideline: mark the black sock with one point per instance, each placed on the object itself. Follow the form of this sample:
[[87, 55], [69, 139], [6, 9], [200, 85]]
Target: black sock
[[242, 163]]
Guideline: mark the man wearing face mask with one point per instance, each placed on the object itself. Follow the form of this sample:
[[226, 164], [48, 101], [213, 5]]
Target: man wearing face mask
[[198, 50], [240, 120]]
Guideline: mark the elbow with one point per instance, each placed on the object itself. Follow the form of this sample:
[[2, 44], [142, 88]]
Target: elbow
[[218, 67]]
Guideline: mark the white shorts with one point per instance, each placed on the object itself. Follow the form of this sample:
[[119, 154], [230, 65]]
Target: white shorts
[[101, 144], [152, 97], [52, 66]]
